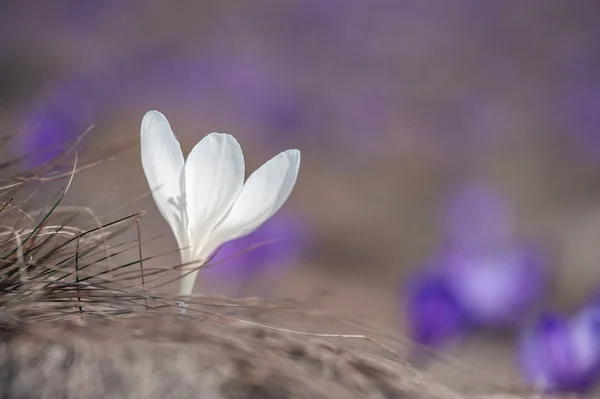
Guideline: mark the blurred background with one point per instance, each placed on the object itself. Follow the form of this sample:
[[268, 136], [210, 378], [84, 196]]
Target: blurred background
[[430, 131]]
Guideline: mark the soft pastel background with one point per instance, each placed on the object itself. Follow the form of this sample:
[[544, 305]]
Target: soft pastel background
[[394, 105]]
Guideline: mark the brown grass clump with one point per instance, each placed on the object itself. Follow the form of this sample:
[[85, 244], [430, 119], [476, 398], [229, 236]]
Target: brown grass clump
[[76, 324]]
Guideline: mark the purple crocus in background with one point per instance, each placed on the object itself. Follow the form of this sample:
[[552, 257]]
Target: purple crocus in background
[[585, 333], [66, 110], [262, 256], [433, 313], [558, 353], [49, 131], [496, 288], [481, 276], [496, 277]]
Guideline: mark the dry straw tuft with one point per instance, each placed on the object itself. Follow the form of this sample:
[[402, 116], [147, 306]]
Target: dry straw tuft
[[76, 324]]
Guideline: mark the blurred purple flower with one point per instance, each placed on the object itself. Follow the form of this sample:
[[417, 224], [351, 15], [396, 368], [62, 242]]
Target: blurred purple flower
[[467, 290], [433, 313], [496, 278], [485, 277], [279, 243], [66, 111], [48, 132], [562, 354], [496, 288], [585, 333]]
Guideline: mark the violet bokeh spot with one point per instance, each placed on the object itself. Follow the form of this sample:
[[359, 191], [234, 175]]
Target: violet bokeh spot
[[66, 111], [49, 130], [236, 266], [551, 357], [585, 335], [433, 314], [497, 288], [544, 353], [496, 277]]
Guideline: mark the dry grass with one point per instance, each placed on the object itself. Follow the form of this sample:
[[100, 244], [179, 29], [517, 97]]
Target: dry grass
[[75, 323]]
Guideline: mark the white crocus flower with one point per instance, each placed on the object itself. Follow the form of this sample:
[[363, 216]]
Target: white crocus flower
[[204, 199]]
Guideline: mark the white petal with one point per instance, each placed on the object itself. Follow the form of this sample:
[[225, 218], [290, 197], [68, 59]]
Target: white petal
[[264, 193], [163, 163], [214, 176]]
